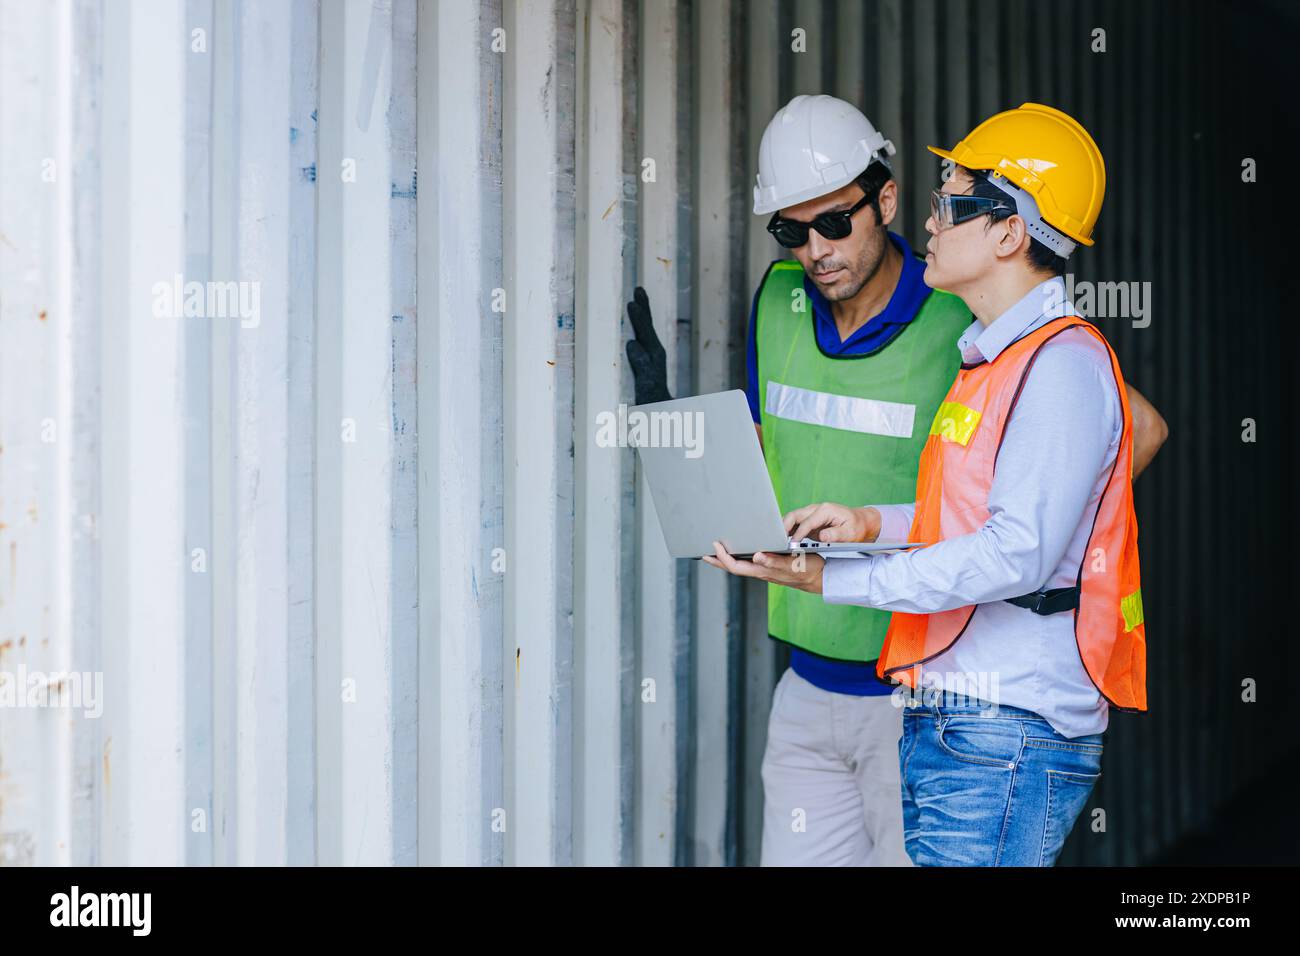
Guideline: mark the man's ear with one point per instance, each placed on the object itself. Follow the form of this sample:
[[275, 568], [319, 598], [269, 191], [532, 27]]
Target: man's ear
[[1013, 237], [887, 200]]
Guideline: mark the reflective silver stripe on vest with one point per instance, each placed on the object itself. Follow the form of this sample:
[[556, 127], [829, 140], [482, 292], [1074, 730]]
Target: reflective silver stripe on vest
[[867, 415]]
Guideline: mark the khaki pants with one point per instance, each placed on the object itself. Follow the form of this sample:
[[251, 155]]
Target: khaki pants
[[831, 788]]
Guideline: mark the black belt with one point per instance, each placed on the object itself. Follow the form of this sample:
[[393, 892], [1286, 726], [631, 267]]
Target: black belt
[[1048, 601]]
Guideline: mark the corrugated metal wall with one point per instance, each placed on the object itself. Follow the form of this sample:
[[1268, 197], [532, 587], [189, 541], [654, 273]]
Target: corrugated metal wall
[[361, 585]]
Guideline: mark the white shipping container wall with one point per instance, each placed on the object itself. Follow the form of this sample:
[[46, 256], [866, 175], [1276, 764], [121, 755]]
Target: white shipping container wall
[[299, 485]]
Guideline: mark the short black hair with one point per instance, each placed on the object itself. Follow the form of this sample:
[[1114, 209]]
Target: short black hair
[[1040, 257], [871, 180]]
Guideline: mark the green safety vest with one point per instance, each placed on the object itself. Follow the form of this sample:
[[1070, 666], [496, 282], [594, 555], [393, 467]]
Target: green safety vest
[[847, 429]]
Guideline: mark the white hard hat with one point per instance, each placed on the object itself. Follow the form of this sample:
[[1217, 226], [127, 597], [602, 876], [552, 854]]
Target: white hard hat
[[813, 146]]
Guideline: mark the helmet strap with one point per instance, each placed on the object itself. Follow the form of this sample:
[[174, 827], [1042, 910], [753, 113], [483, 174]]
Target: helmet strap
[[1027, 209]]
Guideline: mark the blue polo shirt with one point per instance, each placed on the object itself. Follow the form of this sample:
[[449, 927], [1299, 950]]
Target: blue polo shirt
[[846, 677]]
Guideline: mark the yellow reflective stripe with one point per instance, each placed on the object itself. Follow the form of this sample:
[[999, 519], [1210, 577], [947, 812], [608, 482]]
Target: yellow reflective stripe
[[1131, 608], [955, 422], [786, 264]]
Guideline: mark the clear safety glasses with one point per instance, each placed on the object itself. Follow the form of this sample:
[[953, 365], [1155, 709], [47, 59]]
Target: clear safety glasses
[[951, 209], [793, 233]]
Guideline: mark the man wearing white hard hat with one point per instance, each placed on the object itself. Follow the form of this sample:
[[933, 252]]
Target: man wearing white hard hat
[[849, 355]]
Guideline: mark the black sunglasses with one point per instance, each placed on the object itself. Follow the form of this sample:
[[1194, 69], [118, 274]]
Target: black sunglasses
[[791, 233]]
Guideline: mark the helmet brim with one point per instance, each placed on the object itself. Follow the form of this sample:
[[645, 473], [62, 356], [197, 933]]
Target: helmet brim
[[992, 165], [767, 207]]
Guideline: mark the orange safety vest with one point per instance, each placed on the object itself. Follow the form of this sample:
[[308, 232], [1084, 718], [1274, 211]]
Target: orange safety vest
[[952, 490]]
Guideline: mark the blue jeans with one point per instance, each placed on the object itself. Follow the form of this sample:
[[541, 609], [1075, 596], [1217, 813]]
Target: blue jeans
[[997, 790]]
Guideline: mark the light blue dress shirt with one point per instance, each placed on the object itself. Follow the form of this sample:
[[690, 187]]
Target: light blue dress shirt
[[1060, 443]]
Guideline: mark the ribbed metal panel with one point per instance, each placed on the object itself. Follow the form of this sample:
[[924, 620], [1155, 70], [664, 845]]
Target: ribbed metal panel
[[361, 585]]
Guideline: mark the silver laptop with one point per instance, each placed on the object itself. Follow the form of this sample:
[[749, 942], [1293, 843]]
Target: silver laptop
[[705, 468]]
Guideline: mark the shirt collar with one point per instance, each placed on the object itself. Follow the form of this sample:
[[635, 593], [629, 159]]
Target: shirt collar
[[1041, 304], [905, 301]]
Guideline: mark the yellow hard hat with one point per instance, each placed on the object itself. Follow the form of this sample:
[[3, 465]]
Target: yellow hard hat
[[1046, 153]]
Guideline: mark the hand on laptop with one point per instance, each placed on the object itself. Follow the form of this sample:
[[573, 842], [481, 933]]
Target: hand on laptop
[[801, 571], [832, 522]]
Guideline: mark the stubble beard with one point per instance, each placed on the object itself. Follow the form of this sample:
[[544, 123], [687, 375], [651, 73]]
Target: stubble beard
[[866, 267]]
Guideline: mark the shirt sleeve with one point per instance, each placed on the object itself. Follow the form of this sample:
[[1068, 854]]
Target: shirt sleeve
[[751, 361], [1060, 439], [895, 521]]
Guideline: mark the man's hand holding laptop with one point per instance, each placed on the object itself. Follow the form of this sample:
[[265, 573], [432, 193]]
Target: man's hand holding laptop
[[823, 522], [832, 522]]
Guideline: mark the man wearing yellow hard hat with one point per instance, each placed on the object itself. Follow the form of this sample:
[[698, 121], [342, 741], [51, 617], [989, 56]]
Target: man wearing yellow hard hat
[[1019, 624]]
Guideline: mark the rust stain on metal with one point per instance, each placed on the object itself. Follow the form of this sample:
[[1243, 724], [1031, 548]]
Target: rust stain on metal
[[108, 769], [608, 210]]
